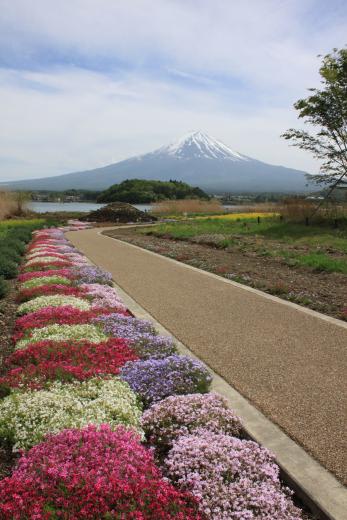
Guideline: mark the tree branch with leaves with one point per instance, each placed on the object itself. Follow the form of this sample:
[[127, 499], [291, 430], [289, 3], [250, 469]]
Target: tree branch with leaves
[[325, 110]]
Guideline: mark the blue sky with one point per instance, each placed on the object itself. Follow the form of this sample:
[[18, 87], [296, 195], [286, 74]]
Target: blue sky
[[84, 83]]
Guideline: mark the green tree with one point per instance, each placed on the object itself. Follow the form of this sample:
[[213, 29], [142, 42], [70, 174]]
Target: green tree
[[325, 110], [139, 191]]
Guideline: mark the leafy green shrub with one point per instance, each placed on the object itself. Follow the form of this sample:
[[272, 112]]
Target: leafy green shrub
[[23, 234], [16, 244], [3, 287], [8, 268]]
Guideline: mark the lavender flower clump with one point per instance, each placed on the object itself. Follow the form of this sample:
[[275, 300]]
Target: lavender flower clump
[[140, 333], [90, 274], [155, 379], [126, 327], [68, 249], [148, 346], [232, 478], [180, 415]]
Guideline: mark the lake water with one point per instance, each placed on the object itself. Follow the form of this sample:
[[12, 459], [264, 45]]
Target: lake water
[[42, 207]]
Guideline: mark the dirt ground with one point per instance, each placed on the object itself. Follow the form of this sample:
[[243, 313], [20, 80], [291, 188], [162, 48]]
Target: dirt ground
[[321, 291]]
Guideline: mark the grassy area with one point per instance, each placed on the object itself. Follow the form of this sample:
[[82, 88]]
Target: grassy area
[[320, 248], [322, 262], [211, 225]]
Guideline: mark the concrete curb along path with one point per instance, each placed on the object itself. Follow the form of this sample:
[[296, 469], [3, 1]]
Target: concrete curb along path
[[317, 484]]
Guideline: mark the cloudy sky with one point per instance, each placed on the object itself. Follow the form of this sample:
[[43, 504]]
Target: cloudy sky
[[85, 83]]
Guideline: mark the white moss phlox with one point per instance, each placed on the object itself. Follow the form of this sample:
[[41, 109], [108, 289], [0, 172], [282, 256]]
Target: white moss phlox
[[56, 332], [57, 300], [45, 280], [26, 417]]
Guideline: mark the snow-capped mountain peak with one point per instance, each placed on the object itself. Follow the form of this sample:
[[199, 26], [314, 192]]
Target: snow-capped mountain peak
[[196, 158], [200, 145]]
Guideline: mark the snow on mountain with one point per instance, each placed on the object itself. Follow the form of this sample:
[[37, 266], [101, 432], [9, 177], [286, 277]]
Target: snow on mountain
[[196, 158], [199, 145]]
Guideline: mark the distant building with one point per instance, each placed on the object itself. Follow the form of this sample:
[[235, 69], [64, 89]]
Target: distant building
[[72, 198]]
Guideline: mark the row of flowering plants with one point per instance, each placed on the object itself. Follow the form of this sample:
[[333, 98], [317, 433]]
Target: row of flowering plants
[[109, 420]]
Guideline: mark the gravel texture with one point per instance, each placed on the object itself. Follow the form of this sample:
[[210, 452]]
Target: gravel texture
[[289, 363]]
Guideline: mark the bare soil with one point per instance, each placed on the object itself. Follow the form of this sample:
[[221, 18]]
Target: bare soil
[[321, 291]]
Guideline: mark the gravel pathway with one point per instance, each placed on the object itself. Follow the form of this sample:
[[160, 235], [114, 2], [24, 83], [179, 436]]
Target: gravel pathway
[[289, 363]]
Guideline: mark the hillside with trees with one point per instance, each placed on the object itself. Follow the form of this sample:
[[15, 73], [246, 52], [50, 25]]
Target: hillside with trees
[[137, 191]]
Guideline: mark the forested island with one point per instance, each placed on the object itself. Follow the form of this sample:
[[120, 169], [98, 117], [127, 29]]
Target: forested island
[[137, 191]]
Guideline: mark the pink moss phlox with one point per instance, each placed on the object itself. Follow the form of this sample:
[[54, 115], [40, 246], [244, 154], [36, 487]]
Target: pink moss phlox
[[180, 415], [92, 473], [232, 478]]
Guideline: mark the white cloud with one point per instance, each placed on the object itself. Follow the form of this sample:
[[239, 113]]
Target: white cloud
[[232, 69], [87, 119], [263, 41]]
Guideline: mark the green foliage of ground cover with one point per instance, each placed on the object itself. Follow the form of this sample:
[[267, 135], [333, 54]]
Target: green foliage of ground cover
[[14, 235], [8, 252], [8, 268]]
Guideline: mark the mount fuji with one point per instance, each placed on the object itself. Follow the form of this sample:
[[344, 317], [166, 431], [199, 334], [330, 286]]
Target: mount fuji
[[196, 158]]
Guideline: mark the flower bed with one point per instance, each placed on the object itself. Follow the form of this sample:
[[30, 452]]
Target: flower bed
[[64, 315], [75, 383], [45, 280], [45, 266], [42, 302], [64, 273], [92, 274], [45, 361], [47, 290], [179, 415], [233, 478], [92, 473], [58, 332], [155, 379], [26, 417]]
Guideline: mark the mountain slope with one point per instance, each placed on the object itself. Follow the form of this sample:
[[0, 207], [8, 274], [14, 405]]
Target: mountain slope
[[197, 159]]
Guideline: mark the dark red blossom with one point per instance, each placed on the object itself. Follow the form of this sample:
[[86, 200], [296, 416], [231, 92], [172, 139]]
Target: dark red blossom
[[43, 266], [49, 289], [92, 473], [59, 256], [66, 273], [49, 360], [65, 315]]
